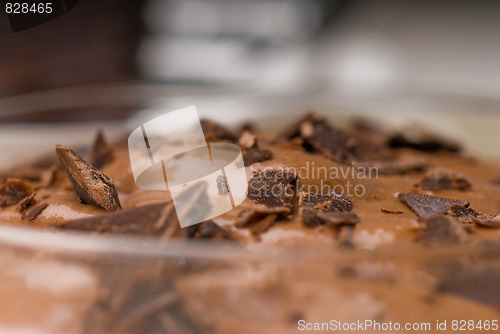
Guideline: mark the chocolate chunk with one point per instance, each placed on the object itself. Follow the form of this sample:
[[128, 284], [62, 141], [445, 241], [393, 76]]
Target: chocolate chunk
[[14, 191], [252, 156], [481, 286], [91, 185], [394, 212], [312, 204], [216, 131], [425, 205], [439, 179], [248, 140], [26, 202], [273, 188], [143, 220], [440, 230], [418, 139], [35, 212]]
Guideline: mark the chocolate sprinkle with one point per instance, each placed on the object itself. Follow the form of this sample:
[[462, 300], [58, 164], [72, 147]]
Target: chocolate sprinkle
[[273, 188], [439, 179], [425, 205], [252, 156], [440, 230], [14, 191], [91, 185]]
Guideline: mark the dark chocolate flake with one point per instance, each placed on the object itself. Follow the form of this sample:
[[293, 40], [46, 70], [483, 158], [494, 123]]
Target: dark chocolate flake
[[418, 139], [470, 216], [26, 202], [252, 156], [91, 185], [439, 179], [35, 212], [332, 142], [213, 130], [312, 205], [143, 220], [394, 212], [272, 188], [14, 191], [330, 202], [425, 205], [440, 230], [209, 230]]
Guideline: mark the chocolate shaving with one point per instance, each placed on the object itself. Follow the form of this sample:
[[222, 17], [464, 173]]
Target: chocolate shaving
[[440, 230], [394, 212], [332, 142], [330, 202], [273, 188], [248, 140], [470, 216], [207, 230], [439, 179], [216, 131], [312, 206], [425, 205], [260, 219], [14, 191], [26, 202], [91, 185], [35, 212], [495, 222], [143, 220], [252, 156], [100, 153], [418, 139]]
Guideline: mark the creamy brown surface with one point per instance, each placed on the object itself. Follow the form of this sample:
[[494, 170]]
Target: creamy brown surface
[[386, 289]]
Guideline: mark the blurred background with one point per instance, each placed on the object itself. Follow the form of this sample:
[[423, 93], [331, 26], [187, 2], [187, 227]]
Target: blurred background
[[385, 57], [340, 46]]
